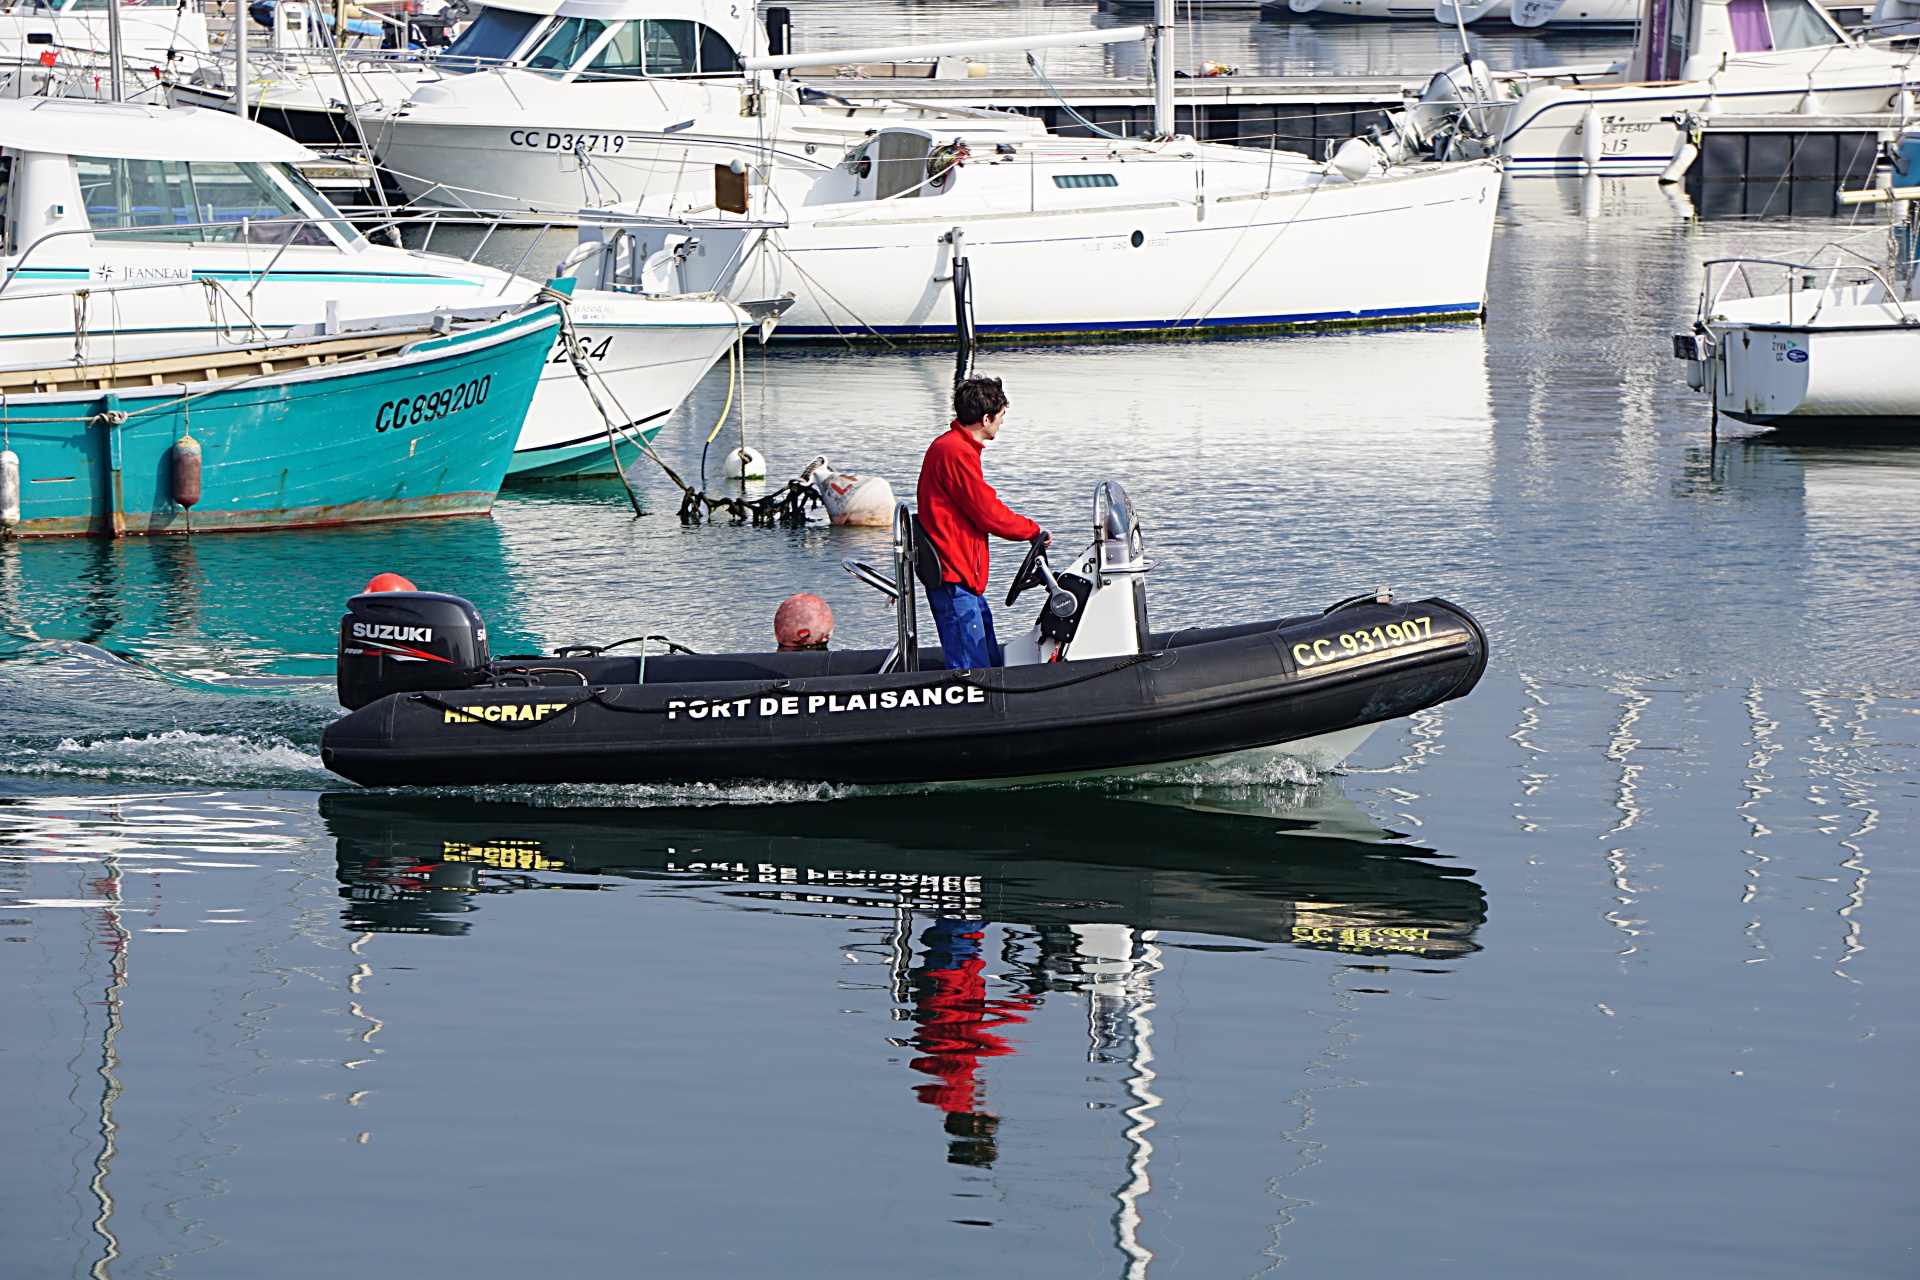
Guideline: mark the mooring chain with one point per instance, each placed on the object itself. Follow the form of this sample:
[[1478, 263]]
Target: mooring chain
[[786, 506]]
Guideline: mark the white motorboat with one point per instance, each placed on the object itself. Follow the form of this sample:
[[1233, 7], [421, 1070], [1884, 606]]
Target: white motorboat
[[615, 101], [1525, 13], [912, 236], [1833, 353], [1360, 10], [1744, 57], [134, 229], [1528, 14], [315, 92]]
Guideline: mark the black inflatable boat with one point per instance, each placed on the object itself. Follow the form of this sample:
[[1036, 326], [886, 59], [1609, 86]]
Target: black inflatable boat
[[1088, 691]]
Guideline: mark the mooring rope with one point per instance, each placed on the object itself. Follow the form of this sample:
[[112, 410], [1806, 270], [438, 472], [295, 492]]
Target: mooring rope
[[787, 505]]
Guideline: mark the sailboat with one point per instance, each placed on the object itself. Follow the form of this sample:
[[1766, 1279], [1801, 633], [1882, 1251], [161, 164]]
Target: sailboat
[[924, 235], [1034, 236]]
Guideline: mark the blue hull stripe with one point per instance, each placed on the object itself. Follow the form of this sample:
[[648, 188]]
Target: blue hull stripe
[[1457, 309]]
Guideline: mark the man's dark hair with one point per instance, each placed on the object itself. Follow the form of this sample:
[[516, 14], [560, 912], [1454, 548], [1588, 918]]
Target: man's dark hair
[[978, 399]]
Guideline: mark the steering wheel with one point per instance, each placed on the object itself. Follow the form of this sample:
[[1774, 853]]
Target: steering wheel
[[1029, 575]]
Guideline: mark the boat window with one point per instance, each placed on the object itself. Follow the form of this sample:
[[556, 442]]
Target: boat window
[[6, 204], [174, 199], [491, 37], [1679, 35], [900, 161], [619, 58], [317, 204], [717, 57], [571, 39], [671, 47], [1794, 24], [1085, 180]]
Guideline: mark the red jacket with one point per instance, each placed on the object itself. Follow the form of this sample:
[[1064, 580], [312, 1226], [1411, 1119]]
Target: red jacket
[[958, 509]]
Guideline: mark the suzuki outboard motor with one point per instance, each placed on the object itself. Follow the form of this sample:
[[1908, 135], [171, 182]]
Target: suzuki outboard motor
[[407, 642]]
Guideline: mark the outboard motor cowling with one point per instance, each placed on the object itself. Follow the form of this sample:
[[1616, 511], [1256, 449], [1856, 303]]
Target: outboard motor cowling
[[408, 642]]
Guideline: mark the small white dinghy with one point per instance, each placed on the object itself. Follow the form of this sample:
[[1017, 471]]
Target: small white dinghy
[[1834, 354]]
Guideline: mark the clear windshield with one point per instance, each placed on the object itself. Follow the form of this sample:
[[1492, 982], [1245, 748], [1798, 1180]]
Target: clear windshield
[[571, 39], [490, 38], [1797, 24], [199, 201], [619, 58]]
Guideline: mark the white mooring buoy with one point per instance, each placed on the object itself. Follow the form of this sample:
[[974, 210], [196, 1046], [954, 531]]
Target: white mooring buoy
[[745, 463], [848, 498]]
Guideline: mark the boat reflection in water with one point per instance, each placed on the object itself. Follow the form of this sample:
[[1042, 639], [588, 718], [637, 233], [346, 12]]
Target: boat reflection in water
[[1083, 883]]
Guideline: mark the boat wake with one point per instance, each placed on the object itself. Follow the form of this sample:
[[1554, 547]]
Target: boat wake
[[175, 756]]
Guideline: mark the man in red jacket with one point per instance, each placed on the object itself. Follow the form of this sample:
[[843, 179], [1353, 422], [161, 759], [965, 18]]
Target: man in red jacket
[[958, 509]]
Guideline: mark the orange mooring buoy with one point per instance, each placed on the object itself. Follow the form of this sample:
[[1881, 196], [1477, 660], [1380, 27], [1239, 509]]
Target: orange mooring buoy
[[389, 582]]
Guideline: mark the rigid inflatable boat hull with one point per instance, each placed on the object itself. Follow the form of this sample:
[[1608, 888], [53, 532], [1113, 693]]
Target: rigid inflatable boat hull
[[830, 717]]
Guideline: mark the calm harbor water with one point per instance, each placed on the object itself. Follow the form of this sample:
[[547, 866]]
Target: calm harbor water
[[1597, 972]]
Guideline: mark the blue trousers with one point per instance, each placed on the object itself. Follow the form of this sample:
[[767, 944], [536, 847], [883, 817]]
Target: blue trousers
[[966, 627]]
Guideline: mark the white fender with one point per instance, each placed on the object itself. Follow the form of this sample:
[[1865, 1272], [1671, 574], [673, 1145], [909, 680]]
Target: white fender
[[1303, 6], [1356, 159], [9, 490], [1683, 157], [848, 498], [1590, 139], [1534, 13]]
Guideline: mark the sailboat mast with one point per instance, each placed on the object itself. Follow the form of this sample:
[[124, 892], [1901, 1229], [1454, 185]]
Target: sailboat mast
[[114, 91], [240, 58], [1163, 68]]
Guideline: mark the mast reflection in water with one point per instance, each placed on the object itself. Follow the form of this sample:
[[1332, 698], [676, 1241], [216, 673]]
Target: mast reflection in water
[[990, 904]]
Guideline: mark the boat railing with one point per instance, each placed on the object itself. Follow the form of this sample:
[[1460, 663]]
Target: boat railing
[[627, 269], [1804, 274]]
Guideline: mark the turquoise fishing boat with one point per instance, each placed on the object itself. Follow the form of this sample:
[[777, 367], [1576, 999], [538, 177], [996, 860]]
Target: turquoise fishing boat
[[384, 421]]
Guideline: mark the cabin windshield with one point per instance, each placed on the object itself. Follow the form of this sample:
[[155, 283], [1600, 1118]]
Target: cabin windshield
[[492, 37], [203, 201], [568, 43], [1760, 26], [662, 47]]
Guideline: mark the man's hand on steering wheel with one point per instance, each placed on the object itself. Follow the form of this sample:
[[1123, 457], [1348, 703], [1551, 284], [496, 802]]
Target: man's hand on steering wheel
[[1029, 574]]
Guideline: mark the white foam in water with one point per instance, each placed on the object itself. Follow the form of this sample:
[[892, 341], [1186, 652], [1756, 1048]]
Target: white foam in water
[[177, 755]]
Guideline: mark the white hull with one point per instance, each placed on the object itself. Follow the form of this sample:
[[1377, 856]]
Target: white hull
[[1382, 10], [1544, 131], [511, 139], [1337, 254], [1845, 363], [1065, 237]]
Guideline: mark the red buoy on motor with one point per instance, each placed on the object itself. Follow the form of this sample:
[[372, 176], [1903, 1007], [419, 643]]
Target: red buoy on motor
[[389, 582], [803, 622]]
